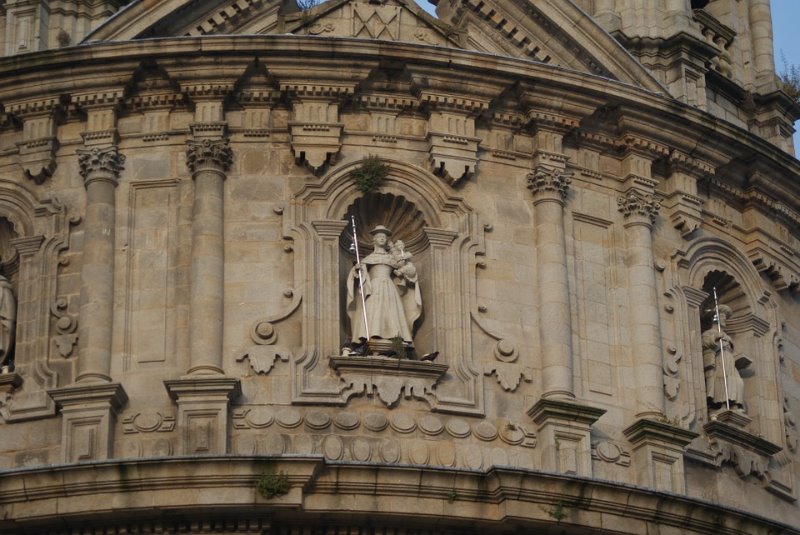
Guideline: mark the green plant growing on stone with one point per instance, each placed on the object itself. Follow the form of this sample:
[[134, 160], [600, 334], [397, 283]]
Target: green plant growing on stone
[[370, 174], [789, 79], [398, 346], [271, 485], [452, 496], [558, 512]]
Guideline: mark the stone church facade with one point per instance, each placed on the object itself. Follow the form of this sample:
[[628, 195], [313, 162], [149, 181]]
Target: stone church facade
[[581, 217]]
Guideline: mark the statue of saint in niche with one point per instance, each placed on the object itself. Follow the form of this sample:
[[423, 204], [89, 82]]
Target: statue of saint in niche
[[391, 295], [8, 321], [721, 367]]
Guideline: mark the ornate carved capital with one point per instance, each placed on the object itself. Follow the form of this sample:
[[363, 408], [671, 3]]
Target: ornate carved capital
[[635, 204], [549, 182], [209, 153], [105, 162]]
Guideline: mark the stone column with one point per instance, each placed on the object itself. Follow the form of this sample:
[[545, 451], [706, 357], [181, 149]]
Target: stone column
[[208, 160], [549, 183], [203, 395], [100, 168], [561, 423], [640, 210], [761, 38], [90, 405]]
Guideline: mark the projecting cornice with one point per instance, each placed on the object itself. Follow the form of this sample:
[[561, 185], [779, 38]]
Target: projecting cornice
[[661, 121]]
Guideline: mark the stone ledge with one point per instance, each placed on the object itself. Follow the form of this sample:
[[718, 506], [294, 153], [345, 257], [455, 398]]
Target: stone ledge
[[127, 490], [568, 411], [389, 377], [719, 430], [648, 430]]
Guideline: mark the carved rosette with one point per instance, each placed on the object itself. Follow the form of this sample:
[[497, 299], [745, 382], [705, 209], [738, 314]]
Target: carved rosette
[[103, 164], [639, 207], [549, 183], [213, 154]]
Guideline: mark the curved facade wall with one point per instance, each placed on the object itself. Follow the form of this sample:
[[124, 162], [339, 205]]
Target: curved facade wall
[[174, 229]]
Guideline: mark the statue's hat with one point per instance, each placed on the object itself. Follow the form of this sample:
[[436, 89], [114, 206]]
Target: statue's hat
[[380, 229]]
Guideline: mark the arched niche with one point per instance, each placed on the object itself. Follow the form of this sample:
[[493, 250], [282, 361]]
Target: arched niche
[[711, 263], [444, 244], [33, 233]]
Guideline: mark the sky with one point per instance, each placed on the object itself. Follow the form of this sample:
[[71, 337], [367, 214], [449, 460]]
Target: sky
[[785, 17]]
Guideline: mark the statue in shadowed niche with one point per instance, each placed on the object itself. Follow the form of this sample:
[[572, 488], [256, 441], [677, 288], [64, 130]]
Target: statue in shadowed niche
[[382, 319], [724, 384], [8, 322]]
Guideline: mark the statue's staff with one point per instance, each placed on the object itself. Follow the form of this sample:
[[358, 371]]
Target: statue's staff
[[721, 350], [360, 276]]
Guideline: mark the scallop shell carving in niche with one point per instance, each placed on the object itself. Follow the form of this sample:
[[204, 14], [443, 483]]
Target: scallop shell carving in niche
[[396, 213]]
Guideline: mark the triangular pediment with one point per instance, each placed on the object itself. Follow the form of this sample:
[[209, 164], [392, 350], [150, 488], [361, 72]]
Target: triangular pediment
[[555, 32]]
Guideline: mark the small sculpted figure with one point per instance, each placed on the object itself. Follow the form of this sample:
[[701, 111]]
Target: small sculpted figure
[[720, 365], [391, 293], [8, 319]]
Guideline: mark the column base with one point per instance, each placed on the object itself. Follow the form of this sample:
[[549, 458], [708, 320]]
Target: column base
[[203, 403], [658, 449], [88, 416], [564, 429]]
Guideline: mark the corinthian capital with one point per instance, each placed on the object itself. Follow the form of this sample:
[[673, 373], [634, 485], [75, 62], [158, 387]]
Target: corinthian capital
[[209, 153], [552, 181], [103, 163], [635, 204]]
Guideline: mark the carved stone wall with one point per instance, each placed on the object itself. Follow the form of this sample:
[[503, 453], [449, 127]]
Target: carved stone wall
[[181, 311]]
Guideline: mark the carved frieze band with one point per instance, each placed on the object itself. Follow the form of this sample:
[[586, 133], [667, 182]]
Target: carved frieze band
[[209, 154], [635, 204], [106, 163]]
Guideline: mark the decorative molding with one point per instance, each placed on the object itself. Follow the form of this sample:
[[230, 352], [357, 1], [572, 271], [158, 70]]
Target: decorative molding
[[658, 450], [783, 276], [153, 422], [37, 150], [549, 182], [9, 382], [388, 377], [639, 206], [88, 420], [213, 154], [564, 428], [203, 403], [100, 164]]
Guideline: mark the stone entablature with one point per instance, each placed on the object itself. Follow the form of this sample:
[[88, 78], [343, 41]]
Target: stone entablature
[[564, 289]]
